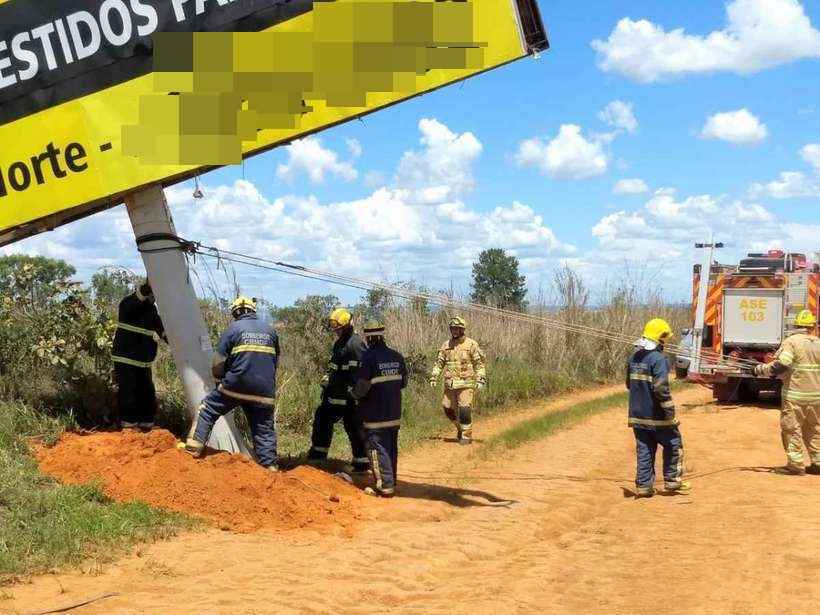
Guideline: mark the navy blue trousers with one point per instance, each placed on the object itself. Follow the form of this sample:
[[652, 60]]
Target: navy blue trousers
[[383, 448], [136, 396], [260, 418], [646, 444], [325, 418]]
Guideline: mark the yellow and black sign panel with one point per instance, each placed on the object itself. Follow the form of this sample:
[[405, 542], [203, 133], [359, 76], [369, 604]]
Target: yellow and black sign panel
[[101, 97]]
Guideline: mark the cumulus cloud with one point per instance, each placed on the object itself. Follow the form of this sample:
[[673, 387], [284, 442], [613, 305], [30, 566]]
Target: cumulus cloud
[[568, 156], [310, 157], [630, 186], [354, 147], [789, 185], [740, 127], [811, 154], [759, 34], [444, 164], [661, 234], [620, 115]]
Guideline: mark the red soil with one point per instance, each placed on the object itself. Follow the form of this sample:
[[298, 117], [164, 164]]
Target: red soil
[[230, 490]]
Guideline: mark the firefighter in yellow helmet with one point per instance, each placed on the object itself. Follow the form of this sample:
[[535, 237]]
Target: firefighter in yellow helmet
[[461, 362], [337, 402], [797, 361], [652, 412]]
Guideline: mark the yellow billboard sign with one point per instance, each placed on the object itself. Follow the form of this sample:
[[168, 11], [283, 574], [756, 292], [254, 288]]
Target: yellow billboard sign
[[99, 98]]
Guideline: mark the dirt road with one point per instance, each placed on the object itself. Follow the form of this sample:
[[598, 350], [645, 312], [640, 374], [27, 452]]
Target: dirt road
[[545, 529]]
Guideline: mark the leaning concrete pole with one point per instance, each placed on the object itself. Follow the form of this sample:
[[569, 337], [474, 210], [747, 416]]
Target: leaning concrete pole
[[177, 304]]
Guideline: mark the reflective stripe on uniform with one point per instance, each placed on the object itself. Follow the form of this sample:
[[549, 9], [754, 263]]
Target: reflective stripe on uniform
[[667, 404], [253, 348], [360, 460], [786, 357], [336, 402], [320, 449], [383, 424], [132, 362], [800, 396], [653, 422], [349, 364], [379, 379], [332, 367], [806, 367], [133, 329], [641, 377], [257, 399]]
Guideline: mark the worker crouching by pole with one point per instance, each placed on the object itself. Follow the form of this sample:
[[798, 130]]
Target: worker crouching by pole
[[461, 362], [245, 362], [798, 361], [133, 353], [652, 412], [381, 377]]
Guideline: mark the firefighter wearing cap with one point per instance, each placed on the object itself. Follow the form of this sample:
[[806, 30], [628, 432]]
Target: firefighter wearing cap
[[652, 412], [337, 402], [381, 377], [461, 362], [798, 362], [133, 352], [244, 364]]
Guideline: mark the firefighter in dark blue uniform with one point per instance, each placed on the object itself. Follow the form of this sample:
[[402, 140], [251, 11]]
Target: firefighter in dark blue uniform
[[337, 403], [381, 378], [245, 362], [133, 352], [652, 412]]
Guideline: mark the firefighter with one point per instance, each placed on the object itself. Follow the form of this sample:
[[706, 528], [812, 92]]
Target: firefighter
[[381, 377], [337, 403], [133, 352], [244, 364], [798, 361], [652, 412], [462, 363]]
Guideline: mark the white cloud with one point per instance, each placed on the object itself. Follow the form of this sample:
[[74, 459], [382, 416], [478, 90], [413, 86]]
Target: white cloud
[[811, 154], [569, 155], [354, 147], [759, 34], [620, 115], [630, 186], [445, 162], [790, 185], [740, 127], [308, 156]]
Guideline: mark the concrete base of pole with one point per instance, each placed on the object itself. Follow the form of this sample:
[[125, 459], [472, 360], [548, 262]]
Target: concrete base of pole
[[178, 306]]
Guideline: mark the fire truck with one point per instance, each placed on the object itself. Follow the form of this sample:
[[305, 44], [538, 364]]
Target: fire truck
[[742, 313]]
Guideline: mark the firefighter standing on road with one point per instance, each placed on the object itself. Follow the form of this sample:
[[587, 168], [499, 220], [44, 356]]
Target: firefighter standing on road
[[337, 402], [652, 412], [462, 363], [133, 352], [798, 360], [381, 377], [245, 364]]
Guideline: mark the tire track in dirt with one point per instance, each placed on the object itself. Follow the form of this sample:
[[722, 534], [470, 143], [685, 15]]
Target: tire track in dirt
[[546, 528]]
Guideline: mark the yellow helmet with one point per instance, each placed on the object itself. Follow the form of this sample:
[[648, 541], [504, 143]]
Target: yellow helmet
[[657, 330], [458, 321], [243, 303], [339, 318], [805, 319], [374, 328]]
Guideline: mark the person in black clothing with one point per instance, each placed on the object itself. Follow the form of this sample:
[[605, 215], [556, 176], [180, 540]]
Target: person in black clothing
[[382, 376], [134, 350], [337, 402]]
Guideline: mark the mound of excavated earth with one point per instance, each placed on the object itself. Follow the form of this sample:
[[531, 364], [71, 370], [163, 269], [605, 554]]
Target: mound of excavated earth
[[229, 490]]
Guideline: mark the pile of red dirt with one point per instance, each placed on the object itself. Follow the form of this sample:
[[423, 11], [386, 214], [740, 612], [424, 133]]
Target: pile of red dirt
[[230, 490]]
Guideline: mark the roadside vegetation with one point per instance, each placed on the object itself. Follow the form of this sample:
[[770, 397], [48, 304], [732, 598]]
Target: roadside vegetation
[[56, 373]]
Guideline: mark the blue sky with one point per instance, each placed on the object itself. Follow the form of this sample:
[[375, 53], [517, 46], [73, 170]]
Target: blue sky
[[531, 165]]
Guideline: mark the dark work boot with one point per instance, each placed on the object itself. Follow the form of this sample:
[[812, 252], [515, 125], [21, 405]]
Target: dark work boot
[[813, 469]]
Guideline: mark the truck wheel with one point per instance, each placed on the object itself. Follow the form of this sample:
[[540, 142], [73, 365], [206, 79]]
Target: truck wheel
[[747, 391], [725, 392]]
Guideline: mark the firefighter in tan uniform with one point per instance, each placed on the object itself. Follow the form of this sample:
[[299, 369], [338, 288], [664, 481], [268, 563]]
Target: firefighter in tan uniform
[[462, 363], [798, 360]]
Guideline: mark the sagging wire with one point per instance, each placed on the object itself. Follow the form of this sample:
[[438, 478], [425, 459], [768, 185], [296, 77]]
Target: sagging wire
[[447, 302]]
